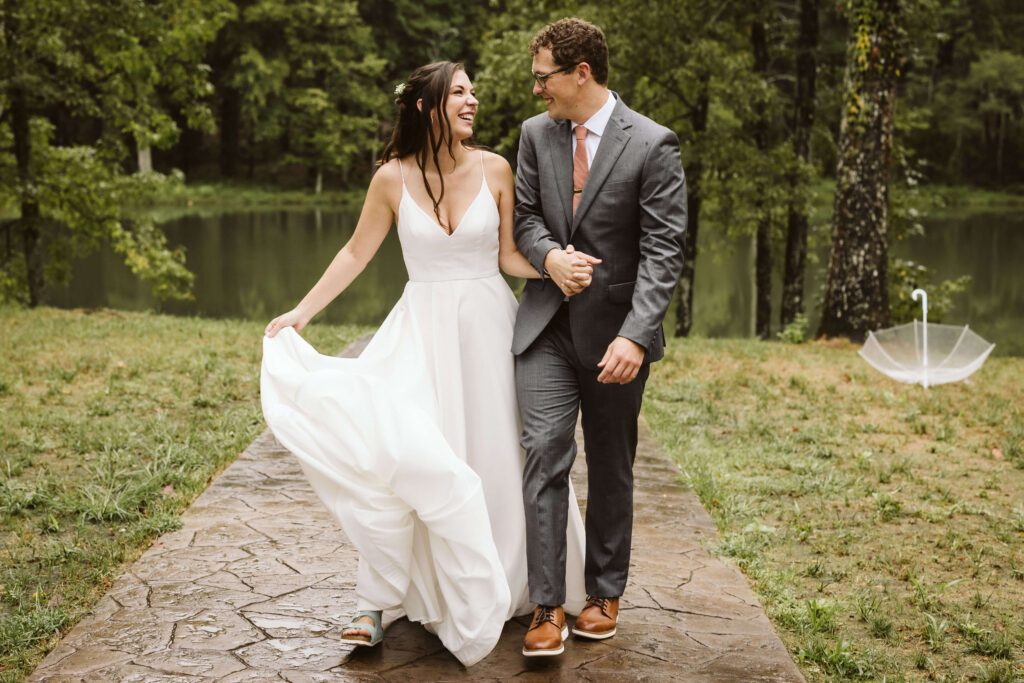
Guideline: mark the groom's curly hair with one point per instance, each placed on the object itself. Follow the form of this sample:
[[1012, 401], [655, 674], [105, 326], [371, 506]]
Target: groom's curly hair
[[572, 41]]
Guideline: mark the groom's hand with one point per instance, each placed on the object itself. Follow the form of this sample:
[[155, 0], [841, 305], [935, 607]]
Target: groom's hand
[[569, 269], [621, 361]]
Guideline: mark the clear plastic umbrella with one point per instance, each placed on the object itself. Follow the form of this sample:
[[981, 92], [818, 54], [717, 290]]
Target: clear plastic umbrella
[[924, 353]]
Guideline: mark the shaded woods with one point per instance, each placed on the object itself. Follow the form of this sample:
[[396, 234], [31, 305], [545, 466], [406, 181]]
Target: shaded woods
[[103, 105]]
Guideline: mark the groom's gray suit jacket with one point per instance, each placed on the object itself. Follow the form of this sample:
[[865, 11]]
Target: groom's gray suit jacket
[[632, 214]]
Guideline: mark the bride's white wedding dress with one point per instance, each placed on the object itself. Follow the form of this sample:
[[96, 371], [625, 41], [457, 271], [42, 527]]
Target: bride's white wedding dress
[[414, 446]]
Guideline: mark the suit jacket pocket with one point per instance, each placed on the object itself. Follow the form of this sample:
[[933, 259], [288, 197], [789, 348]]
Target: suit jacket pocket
[[618, 186], [622, 293]]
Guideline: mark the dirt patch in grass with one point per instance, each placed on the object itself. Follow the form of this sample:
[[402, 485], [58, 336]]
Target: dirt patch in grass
[[112, 423], [881, 524]]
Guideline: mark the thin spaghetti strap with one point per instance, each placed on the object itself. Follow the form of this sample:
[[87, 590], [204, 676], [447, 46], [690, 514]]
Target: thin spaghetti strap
[[483, 173], [402, 169]]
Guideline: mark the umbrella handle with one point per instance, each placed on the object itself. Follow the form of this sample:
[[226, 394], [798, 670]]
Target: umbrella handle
[[924, 313]]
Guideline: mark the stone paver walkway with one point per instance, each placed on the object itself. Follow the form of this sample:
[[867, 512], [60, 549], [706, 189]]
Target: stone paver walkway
[[258, 580]]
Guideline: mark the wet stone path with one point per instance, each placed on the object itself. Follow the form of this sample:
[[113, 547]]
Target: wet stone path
[[256, 584]]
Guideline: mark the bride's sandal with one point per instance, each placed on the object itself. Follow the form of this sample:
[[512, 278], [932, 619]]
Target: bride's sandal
[[375, 630]]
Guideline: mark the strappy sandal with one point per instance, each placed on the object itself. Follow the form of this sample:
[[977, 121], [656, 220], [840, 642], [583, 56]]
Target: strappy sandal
[[375, 630]]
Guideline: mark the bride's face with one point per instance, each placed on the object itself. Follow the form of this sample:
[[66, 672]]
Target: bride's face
[[462, 105]]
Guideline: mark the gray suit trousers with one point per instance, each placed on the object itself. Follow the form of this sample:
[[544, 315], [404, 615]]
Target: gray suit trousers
[[553, 387]]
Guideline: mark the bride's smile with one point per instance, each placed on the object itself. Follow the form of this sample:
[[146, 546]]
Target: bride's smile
[[461, 106]]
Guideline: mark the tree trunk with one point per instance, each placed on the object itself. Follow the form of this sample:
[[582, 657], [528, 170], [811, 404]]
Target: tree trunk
[[29, 223], [230, 118], [763, 251], [856, 297], [955, 165], [145, 158], [684, 306], [252, 155], [319, 181], [999, 146], [763, 279], [803, 122], [190, 143]]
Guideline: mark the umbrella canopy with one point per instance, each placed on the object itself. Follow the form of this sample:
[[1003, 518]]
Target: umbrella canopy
[[925, 353]]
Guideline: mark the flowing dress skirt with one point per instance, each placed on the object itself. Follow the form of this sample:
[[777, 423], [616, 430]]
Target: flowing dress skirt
[[414, 448]]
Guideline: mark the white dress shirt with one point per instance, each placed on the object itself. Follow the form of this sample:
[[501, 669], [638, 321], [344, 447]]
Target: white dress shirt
[[595, 128]]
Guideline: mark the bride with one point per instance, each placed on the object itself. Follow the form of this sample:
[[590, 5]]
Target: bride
[[413, 446]]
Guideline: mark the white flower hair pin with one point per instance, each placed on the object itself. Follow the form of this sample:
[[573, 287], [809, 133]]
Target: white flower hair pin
[[400, 88]]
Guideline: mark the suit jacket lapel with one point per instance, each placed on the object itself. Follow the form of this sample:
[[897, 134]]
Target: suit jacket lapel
[[560, 148], [613, 141]]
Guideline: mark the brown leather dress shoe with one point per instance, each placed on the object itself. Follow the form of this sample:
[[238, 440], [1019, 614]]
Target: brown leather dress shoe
[[547, 633], [598, 619]]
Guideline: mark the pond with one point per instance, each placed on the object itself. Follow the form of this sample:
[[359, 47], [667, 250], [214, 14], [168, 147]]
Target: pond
[[255, 265]]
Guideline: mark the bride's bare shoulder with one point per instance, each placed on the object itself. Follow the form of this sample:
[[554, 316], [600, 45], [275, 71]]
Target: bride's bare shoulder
[[497, 167], [388, 178], [389, 172], [495, 161]]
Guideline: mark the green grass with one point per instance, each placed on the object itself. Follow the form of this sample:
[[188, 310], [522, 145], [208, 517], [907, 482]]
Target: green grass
[[882, 525], [112, 423]]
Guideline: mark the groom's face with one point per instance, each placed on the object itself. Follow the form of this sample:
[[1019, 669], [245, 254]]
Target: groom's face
[[560, 90]]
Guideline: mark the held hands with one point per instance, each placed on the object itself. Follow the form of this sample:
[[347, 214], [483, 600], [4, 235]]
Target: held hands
[[621, 361], [292, 318], [569, 269]]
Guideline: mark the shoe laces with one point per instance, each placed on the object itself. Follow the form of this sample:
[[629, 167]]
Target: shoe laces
[[544, 614], [600, 603]]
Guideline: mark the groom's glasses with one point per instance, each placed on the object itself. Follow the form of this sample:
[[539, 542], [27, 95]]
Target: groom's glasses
[[542, 79]]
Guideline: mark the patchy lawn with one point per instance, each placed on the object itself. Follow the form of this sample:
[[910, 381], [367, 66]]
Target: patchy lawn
[[882, 525], [111, 423]]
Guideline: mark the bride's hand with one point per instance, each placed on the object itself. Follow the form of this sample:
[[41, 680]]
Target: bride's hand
[[582, 271], [290, 319]]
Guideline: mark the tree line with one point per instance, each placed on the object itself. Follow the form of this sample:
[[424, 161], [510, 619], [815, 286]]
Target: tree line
[[104, 103]]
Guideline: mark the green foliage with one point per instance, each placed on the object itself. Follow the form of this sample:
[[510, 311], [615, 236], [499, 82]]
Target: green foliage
[[905, 276], [308, 78], [132, 66], [82, 197], [796, 331], [964, 82], [977, 117], [311, 82], [503, 83], [410, 33], [995, 84], [81, 85]]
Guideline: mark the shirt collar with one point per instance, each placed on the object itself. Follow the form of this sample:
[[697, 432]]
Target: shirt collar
[[597, 123]]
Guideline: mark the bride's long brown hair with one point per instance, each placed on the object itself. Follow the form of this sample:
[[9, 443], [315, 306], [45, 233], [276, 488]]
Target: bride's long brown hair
[[414, 133]]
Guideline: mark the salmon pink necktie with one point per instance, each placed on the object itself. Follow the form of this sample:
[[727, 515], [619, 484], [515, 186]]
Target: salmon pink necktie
[[579, 166]]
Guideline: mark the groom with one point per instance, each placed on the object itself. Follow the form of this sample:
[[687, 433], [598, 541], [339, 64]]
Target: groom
[[599, 178]]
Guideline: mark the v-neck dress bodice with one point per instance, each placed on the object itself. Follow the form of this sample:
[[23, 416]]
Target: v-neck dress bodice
[[414, 446], [470, 252]]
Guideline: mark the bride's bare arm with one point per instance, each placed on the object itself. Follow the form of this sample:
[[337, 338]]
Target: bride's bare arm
[[510, 259], [374, 222]]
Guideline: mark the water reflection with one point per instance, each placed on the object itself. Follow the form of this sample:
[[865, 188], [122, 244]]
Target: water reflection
[[989, 247], [255, 265], [250, 265]]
